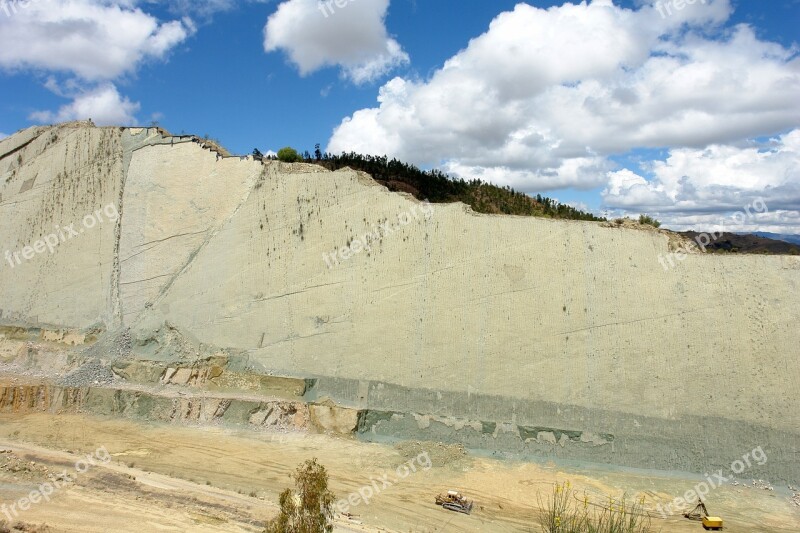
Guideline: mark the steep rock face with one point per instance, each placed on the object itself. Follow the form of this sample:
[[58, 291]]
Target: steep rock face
[[50, 180], [167, 221], [485, 325]]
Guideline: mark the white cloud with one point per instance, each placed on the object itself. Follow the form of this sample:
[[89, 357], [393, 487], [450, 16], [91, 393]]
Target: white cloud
[[353, 37], [92, 39], [696, 187], [103, 104], [544, 97], [578, 172], [86, 44], [3, 135]]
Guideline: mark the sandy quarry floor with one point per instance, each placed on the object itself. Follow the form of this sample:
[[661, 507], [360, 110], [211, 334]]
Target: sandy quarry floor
[[177, 478]]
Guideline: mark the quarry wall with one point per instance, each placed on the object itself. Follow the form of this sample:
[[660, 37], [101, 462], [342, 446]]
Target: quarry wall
[[527, 335]]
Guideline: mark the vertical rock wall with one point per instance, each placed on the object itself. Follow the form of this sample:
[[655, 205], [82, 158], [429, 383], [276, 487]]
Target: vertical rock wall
[[568, 335]]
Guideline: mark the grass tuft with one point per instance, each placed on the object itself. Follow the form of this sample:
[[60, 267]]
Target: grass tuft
[[566, 511]]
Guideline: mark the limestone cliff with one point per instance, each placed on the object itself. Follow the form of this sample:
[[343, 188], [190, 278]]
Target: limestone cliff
[[521, 334]]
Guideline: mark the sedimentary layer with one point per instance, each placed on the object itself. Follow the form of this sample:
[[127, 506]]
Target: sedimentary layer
[[571, 336]]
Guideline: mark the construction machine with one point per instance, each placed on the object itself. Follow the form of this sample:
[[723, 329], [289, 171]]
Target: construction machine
[[454, 501], [700, 513]]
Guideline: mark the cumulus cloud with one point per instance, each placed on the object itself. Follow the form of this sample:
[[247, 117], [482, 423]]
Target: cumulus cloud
[[545, 97], [90, 43], [317, 34], [92, 39], [103, 104], [694, 187]]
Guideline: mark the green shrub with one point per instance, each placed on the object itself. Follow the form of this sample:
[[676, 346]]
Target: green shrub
[[650, 221], [289, 155]]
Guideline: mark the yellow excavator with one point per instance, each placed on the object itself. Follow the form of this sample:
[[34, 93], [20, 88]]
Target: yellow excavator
[[700, 513]]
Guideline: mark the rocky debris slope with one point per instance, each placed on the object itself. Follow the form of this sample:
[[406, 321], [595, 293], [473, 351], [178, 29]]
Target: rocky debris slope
[[92, 372]]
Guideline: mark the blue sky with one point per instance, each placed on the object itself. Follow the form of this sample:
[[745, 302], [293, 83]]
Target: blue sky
[[687, 113]]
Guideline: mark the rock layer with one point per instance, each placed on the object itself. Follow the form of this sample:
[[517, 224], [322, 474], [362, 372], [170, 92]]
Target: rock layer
[[570, 336]]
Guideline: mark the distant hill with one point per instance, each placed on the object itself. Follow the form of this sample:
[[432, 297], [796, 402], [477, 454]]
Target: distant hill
[[793, 239], [747, 244]]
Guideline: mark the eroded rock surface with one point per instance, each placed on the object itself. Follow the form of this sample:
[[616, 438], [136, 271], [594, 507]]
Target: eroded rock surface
[[538, 336]]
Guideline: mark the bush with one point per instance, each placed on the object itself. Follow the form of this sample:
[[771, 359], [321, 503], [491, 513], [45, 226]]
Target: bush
[[564, 512], [289, 155], [650, 221], [309, 509]]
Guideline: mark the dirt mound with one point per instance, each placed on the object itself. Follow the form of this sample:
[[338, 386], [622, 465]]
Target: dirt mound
[[21, 527], [90, 373], [440, 454], [21, 468]]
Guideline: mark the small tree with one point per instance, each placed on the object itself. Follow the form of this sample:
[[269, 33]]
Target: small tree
[[647, 219], [289, 155], [309, 508]]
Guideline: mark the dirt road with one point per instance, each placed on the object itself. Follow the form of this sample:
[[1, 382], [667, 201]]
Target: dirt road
[[177, 478]]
